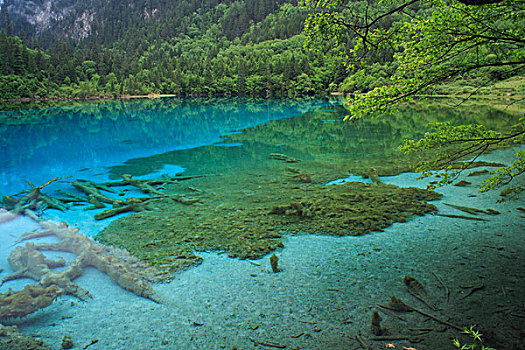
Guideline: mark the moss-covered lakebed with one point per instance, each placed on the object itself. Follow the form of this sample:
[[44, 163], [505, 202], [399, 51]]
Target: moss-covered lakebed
[[268, 181], [169, 236]]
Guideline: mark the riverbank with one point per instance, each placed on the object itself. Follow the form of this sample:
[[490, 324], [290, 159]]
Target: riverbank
[[508, 94]]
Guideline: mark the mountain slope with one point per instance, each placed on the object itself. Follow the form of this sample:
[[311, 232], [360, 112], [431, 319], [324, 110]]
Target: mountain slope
[[187, 48], [106, 22]]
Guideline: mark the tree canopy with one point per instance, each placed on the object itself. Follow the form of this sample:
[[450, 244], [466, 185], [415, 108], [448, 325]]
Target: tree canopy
[[426, 43]]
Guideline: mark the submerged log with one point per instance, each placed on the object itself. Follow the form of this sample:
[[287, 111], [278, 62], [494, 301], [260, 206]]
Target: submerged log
[[461, 217], [99, 186], [132, 204], [142, 185], [473, 211], [92, 192], [29, 262], [152, 182], [30, 299], [397, 304], [283, 157], [34, 200]]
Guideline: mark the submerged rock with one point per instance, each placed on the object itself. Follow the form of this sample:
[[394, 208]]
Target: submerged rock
[[11, 338]]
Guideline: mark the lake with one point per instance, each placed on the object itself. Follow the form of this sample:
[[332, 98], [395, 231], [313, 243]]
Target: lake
[[188, 184]]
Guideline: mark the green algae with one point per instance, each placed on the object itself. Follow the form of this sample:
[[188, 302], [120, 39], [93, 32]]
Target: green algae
[[354, 208]]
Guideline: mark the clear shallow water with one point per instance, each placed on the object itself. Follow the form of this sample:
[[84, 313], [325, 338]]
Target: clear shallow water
[[228, 302], [82, 141]]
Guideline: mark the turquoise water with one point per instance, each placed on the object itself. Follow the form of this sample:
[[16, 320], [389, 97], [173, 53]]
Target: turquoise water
[[327, 287], [82, 141]]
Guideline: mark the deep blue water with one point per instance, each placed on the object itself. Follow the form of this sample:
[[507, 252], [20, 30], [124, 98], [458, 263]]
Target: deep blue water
[[83, 141]]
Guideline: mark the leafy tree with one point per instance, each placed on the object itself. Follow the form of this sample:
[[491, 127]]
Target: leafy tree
[[429, 42]]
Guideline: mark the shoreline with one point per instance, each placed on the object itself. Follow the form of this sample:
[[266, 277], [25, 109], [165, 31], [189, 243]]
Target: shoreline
[[90, 98]]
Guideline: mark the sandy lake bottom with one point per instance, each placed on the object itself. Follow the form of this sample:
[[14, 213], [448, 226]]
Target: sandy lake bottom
[[325, 293]]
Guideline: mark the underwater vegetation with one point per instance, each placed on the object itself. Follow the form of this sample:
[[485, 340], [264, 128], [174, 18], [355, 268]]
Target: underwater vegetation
[[11, 338], [240, 196], [271, 182], [250, 225]]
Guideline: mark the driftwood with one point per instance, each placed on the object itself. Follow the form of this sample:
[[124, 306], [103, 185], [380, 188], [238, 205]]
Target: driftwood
[[283, 157], [99, 186], [447, 291], [362, 342], [473, 289], [29, 262], [398, 305], [461, 217], [153, 182], [28, 300], [132, 204], [34, 200], [144, 186], [417, 290], [92, 192], [268, 344], [473, 211], [73, 198]]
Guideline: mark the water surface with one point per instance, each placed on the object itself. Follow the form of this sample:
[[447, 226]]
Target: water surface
[[228, 303], [39, 144]]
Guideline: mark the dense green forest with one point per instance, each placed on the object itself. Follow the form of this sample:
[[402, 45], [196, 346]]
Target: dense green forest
[[185, 48], [251, 48]]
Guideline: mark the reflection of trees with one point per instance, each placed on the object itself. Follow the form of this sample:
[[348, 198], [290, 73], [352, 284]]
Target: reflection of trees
[[322, 140], [118, 127], [99, 133]]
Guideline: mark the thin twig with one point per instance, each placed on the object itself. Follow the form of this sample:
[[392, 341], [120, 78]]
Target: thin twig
[[473, 289], [92, 342], [447, 291], [436, 319], [362, 342], [269, 344], [415, 295]]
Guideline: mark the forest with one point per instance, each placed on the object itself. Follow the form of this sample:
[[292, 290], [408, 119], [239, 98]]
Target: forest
[[221, 50], [188, 48]]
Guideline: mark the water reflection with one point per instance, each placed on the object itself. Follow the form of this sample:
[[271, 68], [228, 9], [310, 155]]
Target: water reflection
[[328, 146], [38, 144]]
